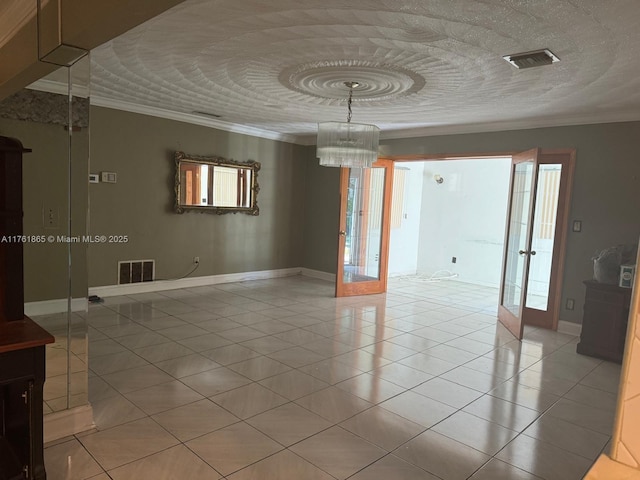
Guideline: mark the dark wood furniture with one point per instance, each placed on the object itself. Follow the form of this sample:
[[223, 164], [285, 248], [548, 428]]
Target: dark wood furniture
[[22, 375], [604, 323], [22, 341]]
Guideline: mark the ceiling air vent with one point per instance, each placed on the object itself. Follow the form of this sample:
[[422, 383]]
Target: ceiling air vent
[[537, 58], [206, 114]]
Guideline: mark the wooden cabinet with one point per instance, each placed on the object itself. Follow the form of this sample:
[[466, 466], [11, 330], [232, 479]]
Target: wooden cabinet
[[22, 341], [22, 372], [604, 323]]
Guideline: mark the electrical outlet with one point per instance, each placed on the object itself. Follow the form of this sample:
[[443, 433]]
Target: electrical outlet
[[570, 303], [50, 217], [454, 259], [196, 260]]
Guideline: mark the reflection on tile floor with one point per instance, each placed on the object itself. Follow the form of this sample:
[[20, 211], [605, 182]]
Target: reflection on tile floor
[[275, 379], [62, 391]]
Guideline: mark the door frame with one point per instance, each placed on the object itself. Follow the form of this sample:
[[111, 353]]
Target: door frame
[[380, 285], [550, 318], [562, 229]]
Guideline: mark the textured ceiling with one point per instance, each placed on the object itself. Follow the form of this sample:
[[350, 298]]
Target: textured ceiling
[[279, 65]]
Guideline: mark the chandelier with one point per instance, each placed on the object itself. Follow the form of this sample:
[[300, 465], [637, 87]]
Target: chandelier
[[346, 144]]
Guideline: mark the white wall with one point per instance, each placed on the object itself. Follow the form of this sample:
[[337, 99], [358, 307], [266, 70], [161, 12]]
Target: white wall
[[403, 250], [464, 217]]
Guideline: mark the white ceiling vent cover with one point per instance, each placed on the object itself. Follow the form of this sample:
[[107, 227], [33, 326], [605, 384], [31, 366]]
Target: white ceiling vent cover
[[536, 58]]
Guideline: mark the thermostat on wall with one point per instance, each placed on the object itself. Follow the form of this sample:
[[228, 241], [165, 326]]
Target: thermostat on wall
[[94, 178], [109, 177]]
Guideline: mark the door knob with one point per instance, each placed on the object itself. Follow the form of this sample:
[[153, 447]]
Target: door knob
[[523, 252], [533, 252], [342, 233]]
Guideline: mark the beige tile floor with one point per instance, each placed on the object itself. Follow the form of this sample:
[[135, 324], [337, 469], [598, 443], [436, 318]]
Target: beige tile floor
[[275, 379]]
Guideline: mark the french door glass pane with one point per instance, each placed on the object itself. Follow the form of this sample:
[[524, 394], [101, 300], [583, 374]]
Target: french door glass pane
[[365, 205], [544, 229], [517, 240]]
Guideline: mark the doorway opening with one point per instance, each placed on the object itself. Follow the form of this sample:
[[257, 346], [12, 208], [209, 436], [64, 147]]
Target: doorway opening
[[447, 229], [493, 229]]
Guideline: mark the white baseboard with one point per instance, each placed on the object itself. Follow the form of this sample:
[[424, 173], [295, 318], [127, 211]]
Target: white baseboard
[[160, 285], [68, 422], [403, 274], [49, 307], [569, 328], [329, 277]]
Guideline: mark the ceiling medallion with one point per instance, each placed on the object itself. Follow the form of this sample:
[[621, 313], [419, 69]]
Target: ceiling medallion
[[376, 81]]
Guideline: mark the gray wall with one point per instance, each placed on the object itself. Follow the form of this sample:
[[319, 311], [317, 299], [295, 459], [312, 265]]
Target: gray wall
[[140, 150], [606, 190], [298, 199], [45, 184], [322, 208]]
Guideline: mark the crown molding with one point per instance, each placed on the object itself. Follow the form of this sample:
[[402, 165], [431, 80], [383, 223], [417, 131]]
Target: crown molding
[[501, 126], [507, 125], [191, 118], [307, 139], [59, 88]]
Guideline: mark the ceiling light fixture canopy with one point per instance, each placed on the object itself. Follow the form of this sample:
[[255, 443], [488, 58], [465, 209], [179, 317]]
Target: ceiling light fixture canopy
[[346, 144]]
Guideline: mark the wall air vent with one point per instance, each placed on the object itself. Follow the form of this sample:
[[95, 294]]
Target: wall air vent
[[537, 58], [136, 271]]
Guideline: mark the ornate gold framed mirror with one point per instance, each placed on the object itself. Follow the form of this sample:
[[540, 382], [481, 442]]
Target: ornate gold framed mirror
[[216, 185]]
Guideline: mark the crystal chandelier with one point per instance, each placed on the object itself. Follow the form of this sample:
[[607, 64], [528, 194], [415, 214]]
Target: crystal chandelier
[[346, 144]]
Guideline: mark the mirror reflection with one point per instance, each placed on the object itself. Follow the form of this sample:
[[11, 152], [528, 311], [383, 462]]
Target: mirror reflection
[[216, 185]]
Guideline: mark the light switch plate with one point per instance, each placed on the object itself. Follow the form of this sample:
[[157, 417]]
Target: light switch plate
[[109, 177], [94, 178], [577, 226]]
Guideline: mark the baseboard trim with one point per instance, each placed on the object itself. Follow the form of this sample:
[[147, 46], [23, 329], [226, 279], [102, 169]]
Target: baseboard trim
[[569, 328], [403, 274], [309, 272], [49, 307], [161, 285], [68, 422]]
